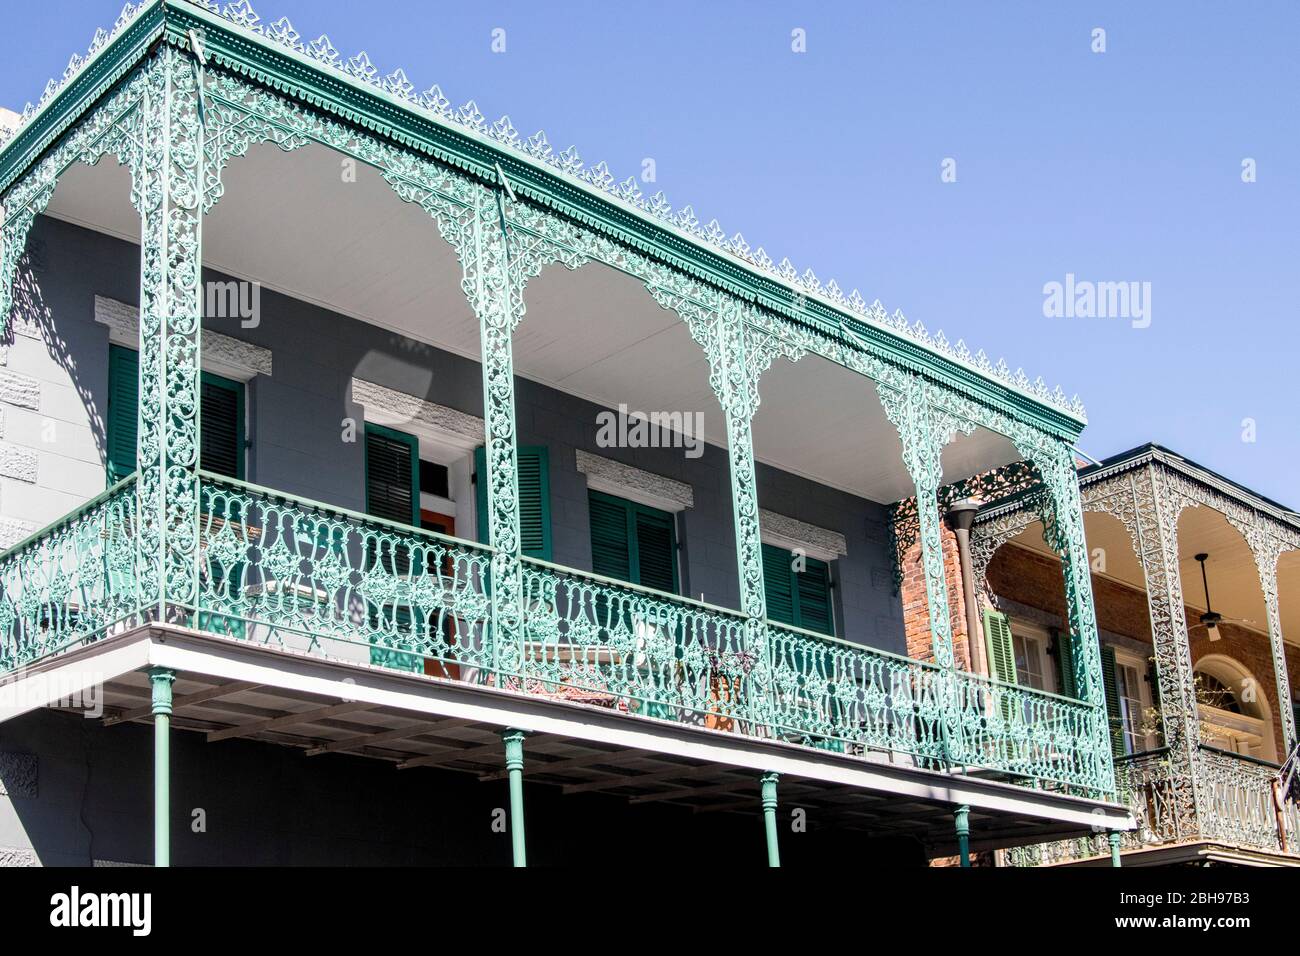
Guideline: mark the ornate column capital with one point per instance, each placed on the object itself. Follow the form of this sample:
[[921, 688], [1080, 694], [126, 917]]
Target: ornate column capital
[[924, 429]]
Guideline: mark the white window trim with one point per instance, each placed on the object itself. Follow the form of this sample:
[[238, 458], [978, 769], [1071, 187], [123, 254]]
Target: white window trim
[[1125, 658], [229, 357], [445, 435], [1043, 638], [791, 534], [635, 484], [1242, 727]]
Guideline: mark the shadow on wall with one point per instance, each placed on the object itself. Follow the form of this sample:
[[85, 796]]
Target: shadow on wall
[[79, 792], [32, 317]]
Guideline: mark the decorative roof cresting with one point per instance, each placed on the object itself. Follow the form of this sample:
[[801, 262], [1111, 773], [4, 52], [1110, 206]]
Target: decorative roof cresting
[[538, 149]]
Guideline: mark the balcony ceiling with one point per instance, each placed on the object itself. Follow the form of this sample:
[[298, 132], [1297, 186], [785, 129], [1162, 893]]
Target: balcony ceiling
[[292, 222], [1234, 581]]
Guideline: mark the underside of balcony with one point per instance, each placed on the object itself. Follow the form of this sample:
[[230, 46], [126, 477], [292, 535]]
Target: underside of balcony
[[231, 690]]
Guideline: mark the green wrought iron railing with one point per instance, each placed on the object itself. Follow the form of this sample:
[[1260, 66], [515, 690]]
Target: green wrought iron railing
[[1027, 732], [636, 649], [306, 576], [845, 697], [71, 582], [284, 571], [1239, 808]]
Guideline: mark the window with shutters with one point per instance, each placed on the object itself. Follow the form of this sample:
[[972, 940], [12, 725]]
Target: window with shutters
[[797, 592], [1063, 654], [1111, 691], [1133, 697], [633, 542], [1033, 665], [392, 475], [533, 465], [1002, 661], [221, 426]]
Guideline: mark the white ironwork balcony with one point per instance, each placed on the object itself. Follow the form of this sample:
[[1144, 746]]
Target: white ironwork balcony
[[1239, 810]]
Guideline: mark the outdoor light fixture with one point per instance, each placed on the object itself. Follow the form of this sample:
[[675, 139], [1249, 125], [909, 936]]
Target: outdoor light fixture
[[1210, 618]]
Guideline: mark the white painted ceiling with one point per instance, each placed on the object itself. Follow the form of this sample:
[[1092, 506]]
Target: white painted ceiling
[[294, 222], [1234, 581]]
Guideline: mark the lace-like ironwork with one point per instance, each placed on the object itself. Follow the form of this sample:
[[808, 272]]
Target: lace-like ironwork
[[231, 558]]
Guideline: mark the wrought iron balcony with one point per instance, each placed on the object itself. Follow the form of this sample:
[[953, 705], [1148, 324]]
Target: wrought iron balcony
[[1236, 807], [72, 582], [310, 578]]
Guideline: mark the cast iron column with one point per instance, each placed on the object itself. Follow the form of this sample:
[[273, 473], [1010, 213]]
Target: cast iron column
[[962, 818], [514, 741], [161, 680], [769, 818]]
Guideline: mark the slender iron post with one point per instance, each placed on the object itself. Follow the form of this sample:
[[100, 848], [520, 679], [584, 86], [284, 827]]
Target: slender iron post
[[1114, 847], [514, 741], [161, 679], [769, 818], [962, 818]]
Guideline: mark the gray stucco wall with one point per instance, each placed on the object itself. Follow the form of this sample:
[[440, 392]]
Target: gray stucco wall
[[295, 428]]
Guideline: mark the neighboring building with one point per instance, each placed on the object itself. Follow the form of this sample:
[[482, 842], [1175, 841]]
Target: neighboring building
[[322, 453], [1196, 581]]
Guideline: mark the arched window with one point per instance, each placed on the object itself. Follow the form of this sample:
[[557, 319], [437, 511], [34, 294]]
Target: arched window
[[1215, 693], [1232, 710]]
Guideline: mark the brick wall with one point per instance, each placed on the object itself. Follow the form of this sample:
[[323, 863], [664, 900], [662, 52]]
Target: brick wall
[[916, 609]]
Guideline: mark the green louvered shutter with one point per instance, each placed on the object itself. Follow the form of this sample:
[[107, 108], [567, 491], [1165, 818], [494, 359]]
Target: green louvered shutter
[[778, 584], [1065, 663], [121, 420], [1002, 651], [611, 553], [631, 542], [392, 483], [392, 475], [534, 499], [534, 502], [1112, 701], [656, 550], [222, 426], [801, 598], [480, 493], [813, 588]]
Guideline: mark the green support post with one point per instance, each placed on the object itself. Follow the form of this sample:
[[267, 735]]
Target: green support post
[[1114, 837], [161, 680], [514, 741], [962, 818], [769, 818]]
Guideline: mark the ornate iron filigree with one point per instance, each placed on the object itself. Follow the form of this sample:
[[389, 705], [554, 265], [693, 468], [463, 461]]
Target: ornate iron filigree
[[72, 582], [195, 539], [986, 487], [537, 149]]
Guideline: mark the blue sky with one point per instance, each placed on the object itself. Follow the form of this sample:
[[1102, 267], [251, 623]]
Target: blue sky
[[1122, 166]]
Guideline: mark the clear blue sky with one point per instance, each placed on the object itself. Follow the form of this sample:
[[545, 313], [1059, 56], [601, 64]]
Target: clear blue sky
[[1121, 166]]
